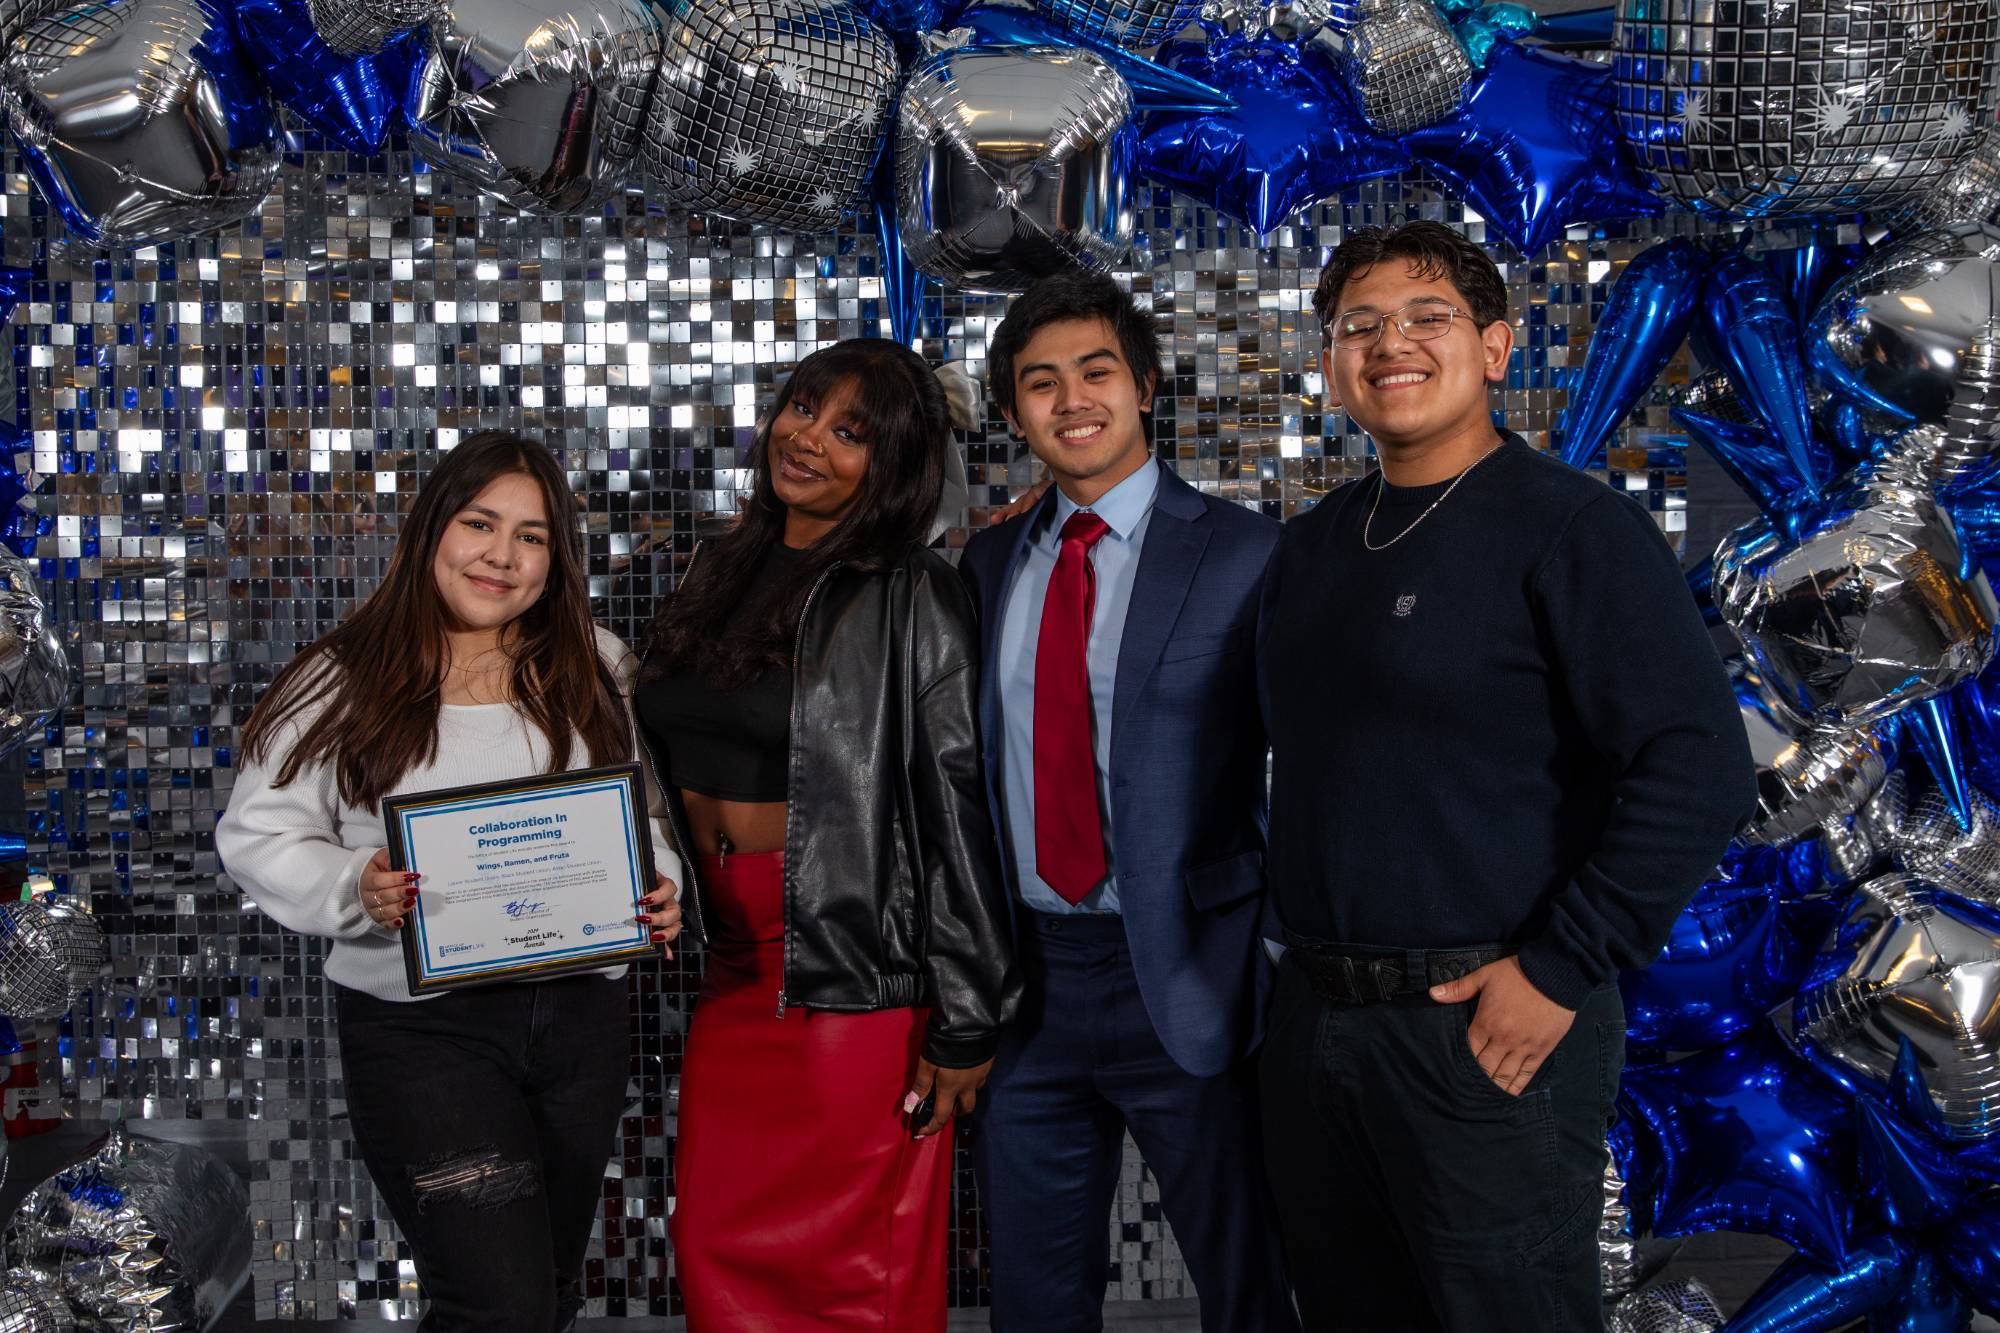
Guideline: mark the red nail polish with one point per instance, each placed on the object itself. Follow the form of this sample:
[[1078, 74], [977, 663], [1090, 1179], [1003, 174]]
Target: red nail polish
[[642, 917], [411, 876]]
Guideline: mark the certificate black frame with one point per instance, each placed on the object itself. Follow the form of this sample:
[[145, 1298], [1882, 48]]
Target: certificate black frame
[[632, 780]]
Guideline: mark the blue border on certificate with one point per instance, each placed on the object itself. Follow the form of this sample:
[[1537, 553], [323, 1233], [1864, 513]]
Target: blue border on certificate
[[612, 943]]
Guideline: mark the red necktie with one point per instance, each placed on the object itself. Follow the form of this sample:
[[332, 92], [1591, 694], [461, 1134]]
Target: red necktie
[[1069, 832]]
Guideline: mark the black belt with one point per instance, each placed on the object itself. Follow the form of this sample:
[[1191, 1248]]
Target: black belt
[[1364, 974]]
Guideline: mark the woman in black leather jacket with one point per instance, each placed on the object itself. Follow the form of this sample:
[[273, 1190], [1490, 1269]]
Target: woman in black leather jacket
[[809, 703]]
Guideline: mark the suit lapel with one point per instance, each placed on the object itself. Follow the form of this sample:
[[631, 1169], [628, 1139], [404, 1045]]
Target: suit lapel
[[1175, 540]]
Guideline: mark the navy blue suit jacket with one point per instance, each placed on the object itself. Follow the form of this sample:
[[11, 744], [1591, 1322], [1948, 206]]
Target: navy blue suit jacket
[[1187, 763]]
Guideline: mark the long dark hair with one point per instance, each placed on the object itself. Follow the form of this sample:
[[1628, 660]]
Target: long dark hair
[[384, 665], [729, 626]]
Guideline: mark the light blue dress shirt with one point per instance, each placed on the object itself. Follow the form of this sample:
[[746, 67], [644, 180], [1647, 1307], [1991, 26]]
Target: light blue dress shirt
[[1126, 509]]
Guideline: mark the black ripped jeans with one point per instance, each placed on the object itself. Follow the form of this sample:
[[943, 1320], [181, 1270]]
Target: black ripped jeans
[[486, 1117], [1414, 1194]]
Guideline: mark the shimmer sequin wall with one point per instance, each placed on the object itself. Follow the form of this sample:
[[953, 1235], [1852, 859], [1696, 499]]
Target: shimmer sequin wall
[[228, 430]]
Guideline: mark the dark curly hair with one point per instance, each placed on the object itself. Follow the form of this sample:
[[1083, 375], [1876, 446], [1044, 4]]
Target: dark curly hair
[[1433, 250]]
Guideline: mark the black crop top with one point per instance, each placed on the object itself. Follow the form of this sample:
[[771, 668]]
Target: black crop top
[[733, 744]]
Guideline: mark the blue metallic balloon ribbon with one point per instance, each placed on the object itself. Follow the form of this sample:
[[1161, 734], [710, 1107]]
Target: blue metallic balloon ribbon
[[1645, 320]]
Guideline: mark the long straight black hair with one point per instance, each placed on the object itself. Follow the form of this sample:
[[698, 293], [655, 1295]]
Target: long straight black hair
[[727, 625]]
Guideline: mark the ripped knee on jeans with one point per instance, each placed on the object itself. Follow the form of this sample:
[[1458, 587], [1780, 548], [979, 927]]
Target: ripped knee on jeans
[[475, 1178]]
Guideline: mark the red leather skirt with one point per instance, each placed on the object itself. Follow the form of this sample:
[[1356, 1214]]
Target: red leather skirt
[[801, 1201]]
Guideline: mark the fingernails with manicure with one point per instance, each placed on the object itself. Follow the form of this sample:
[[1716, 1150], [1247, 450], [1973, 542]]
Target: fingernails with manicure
[[911, 1102]]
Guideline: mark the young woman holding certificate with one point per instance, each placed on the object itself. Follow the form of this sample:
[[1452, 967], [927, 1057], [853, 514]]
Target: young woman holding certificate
[[485, 1115], [808, 698]]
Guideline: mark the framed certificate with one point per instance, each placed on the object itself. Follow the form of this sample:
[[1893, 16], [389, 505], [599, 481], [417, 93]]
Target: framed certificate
[[524, 879]]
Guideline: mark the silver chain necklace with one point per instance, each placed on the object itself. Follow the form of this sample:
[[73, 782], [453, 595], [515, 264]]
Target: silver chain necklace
[[1382, 484]]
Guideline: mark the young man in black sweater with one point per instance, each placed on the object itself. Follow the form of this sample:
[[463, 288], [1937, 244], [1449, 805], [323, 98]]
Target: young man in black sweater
[[1505, 754]]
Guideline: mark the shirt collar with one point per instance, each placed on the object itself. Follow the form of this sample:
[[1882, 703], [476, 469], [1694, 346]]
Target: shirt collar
[[1121, 507]]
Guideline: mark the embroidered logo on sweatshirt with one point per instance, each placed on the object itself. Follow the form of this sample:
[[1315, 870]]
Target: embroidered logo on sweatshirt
[[1406, 604]]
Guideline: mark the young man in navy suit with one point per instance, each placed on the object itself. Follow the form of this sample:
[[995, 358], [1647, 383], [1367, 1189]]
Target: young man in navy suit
[[1125, 764]]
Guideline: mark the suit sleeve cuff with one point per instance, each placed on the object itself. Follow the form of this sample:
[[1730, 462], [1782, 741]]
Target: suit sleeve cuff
[[1556, 974]]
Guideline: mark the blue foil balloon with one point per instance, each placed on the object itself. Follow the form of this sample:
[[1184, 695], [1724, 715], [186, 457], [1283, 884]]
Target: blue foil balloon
[[1295, 137], [1749, 1138], [1536, 147], [1490, 23], [1932, 727], [1154, 86], [1740, 948], [904, 19], [1645, 319], [353, 100], [1750, 325], [903, 283], [1809, 269], [1886, 1280]]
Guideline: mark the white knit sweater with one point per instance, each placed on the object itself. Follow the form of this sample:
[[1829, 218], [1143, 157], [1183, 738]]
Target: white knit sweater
[[299, 850]]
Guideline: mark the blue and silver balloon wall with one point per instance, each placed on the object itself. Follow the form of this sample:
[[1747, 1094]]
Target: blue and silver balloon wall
[[321, 239]]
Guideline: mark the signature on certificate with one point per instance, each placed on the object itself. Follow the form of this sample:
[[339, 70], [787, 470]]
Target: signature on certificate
[[521, 907]]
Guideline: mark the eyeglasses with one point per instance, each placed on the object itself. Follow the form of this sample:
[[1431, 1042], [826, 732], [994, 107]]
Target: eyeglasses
[[1419, 321]]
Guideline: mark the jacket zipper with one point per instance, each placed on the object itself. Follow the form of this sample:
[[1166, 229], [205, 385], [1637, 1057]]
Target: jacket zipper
[[785, 895]]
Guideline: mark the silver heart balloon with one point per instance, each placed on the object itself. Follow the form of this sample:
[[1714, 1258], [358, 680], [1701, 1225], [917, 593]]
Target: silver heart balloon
[[1970, 192], [1012, 164], [1920, 964], [34, 671], [362, 27], [770, 111], [1866, 612], [138, 120], [1766, 107], [1405, 67], [540, 104], [1916, 328]]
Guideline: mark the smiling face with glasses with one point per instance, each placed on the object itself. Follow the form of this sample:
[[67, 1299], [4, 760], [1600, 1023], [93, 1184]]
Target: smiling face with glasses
[[1411, 366]]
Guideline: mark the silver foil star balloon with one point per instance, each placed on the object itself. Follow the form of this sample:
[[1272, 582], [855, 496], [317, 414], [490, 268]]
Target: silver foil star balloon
[[1918, 964], [770, 111], [1869, 104], [1866, 612], [537, 102], [1915, 328], [34, 671], [138, 120], [361, 27], [1969, 192], [140, 1234], [1404, 65], [1012, 164]]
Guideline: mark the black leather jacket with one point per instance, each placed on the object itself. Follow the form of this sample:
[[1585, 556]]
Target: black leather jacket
[[893, 895]]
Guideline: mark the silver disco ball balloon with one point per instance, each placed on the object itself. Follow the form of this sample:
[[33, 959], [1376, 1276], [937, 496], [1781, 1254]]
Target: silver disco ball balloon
[[34, 672], [1928, 843], [138, 119], [1013, 164], [1128, 23], [1917, 964], [1866, 612], [1806, 779], [363, 27], [538, 104], [1916, 328], [1405, 67], [1678, 1305], [51, 950], [30, 1304], [1769, 107], [1970, 192], [770, 111]]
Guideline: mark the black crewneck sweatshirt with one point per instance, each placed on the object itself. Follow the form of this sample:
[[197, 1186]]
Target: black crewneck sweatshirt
[[1508, 727]]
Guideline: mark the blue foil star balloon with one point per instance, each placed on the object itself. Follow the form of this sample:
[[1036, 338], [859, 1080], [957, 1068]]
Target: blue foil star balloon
[[1536, 147], [1295, 137], [1748, 1137], [1749, 322], [1933, 727], [353, 100], [1645, 319], [1886, 1280], [1154, 86]]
